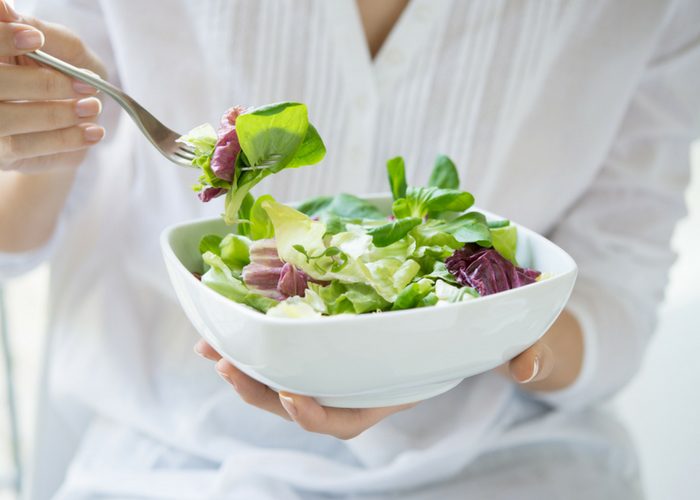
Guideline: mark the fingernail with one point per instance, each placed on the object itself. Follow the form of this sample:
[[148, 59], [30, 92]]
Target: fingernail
[[220, 370], [228, 379], [29, 39], [198, 349], [88, 107], [83, 88], [288, 404], [535, 371], [94, 133]]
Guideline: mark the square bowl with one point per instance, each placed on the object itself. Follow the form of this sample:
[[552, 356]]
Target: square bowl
[[376, 359]]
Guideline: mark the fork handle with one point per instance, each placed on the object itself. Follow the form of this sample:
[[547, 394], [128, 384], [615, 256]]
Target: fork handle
[[82, 75], [143, 119]]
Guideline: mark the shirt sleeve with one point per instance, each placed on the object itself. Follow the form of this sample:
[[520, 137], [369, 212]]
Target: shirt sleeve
[[85, 18], [619, 232]]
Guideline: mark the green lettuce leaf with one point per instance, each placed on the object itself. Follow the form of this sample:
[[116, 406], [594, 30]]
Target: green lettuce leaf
[[348, 298], [392, 232], [351, 207], [235, 251], [413, 294], [423, 201], [202, 139], [220, 279], [210, 243], [314, 207], [293, 307], [272, 138], [505, 241], [243, 227], [467, 228], [260, 224], [295, 229], [447, 292], [311, 151], [444, 174], [396, 170], [389, 276]]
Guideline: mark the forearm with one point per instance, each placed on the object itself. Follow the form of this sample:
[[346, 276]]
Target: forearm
[[30, 205]]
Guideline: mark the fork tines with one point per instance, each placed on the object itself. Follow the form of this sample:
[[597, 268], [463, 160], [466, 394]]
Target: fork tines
[[185, 154], [269, 162]]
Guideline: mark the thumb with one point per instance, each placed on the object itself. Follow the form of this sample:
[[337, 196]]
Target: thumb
[[532, 365], [59, 40]]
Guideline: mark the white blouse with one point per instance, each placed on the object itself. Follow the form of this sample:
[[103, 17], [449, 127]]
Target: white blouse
[[573, 118]]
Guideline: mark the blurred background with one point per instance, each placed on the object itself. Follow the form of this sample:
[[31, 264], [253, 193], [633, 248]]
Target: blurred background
[[661, 407]]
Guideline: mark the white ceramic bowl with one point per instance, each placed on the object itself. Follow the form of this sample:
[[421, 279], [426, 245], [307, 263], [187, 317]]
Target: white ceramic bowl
[[372, 359]]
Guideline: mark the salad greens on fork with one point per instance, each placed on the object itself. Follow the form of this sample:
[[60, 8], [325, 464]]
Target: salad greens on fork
[[340, 254]]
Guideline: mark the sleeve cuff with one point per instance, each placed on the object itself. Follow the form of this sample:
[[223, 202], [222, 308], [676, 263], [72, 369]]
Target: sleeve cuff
[[15, 264]]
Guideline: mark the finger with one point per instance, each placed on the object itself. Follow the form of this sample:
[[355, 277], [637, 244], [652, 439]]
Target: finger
[[44, 163], [7, 12], [23, 146], [18, 83], [39, 116], [206, 351], [62, 43], [343, 423], [532, 365], [251, 391], [16, 39]]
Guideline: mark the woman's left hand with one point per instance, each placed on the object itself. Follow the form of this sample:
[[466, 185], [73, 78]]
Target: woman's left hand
[[553, 362], [341, 423]]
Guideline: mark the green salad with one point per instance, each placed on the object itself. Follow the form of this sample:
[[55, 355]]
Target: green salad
[[340, 254]]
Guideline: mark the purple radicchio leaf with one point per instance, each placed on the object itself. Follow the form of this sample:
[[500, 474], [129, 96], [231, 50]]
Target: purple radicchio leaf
[[267, 275], [227, 147], [486, 270], [209, 193], [263, 273], [293, 281]]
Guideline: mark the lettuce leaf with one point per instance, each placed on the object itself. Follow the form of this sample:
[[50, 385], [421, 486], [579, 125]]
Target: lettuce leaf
[[260, 224], [447, 292], [220, 279], [271, 138], [386, 234], [505, 241], [413, 294], [293, 307], [235, 251], [444, 174], [348, 298], [396, 169]]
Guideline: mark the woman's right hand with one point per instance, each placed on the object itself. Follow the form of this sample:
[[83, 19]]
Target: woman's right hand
[[47, 119]]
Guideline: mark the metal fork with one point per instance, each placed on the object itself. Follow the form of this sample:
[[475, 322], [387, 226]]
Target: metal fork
[[158, 134]]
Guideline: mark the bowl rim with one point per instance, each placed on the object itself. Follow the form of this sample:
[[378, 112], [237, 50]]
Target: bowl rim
[[169, 253]]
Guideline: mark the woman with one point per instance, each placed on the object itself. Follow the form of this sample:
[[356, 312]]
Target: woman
[[573, 118]]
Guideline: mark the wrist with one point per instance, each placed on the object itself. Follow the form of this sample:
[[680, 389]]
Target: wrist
[[30, 206]]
